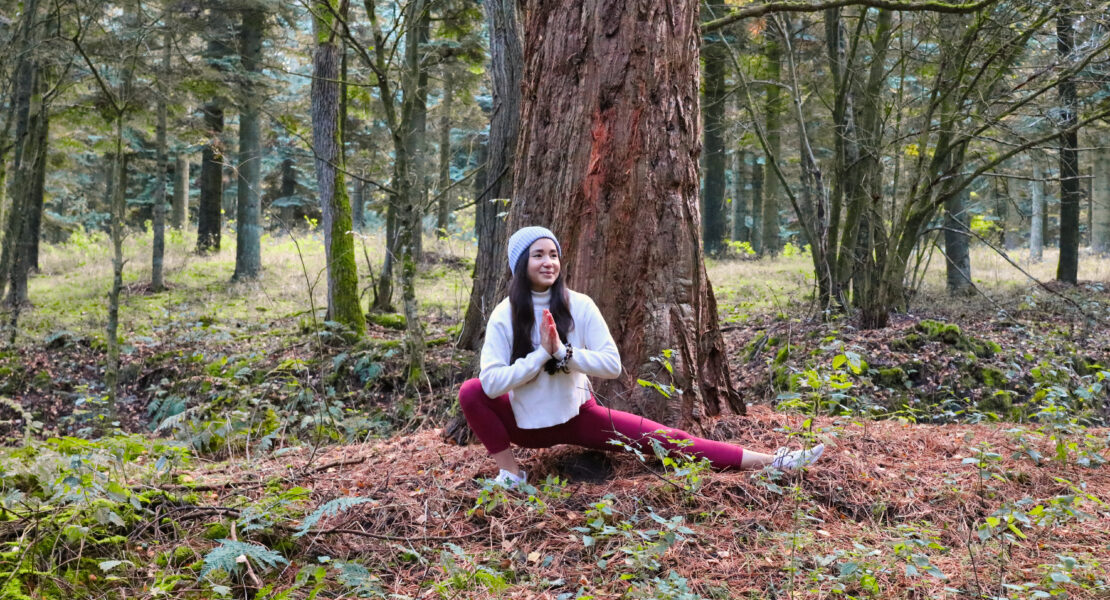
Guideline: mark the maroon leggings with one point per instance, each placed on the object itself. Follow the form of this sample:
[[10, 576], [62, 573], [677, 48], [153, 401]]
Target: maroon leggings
[[493, 422]]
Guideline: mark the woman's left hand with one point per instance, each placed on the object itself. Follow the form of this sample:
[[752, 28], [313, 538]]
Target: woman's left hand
[[549, 334]]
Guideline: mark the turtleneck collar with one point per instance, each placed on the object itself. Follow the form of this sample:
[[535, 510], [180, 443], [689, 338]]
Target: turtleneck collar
[[541, 300]]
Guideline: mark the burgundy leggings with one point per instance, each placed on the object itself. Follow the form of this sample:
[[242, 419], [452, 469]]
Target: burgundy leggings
[[493, 422]]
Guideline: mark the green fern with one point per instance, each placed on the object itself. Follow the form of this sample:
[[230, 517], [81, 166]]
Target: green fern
[[329, 509], [225, 557]]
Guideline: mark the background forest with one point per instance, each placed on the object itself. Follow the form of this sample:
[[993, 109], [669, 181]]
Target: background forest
[[249, 249]]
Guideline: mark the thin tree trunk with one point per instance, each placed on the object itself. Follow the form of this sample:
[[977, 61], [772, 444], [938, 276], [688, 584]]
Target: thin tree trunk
[[771, 242], [358, 206], [180, 218], [443, 210], [248, 229], [740, 231], [209, 211], [593, 165], [343, 305], [1100, 199], [38, 194], [211, 182], [1036, 220], [957, 256], [757, 205], [414, 116], [119, 169], [1067, 269], [506, 66], [27, 190], [157, 279]]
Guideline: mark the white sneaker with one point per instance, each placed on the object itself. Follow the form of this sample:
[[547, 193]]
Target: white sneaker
[[510, 480], [787, 460]]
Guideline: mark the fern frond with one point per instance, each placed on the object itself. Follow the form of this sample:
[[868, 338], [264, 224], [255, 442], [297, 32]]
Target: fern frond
[[225, 557], [329, 509]]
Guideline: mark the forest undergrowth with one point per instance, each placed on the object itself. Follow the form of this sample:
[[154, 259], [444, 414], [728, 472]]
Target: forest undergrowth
[[254, 454]]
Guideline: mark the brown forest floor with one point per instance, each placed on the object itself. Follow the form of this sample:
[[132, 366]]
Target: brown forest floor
[[874, 477]]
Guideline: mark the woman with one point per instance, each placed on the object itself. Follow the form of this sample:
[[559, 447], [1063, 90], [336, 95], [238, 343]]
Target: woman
[[542, 344]]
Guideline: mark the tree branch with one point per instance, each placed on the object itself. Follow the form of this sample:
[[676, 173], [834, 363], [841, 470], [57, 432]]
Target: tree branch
[[779, 7]]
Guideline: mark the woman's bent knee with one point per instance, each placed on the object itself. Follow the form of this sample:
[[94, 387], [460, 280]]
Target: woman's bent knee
[[471, 393]]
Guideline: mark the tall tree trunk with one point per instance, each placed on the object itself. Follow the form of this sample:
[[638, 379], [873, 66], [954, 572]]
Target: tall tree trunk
[[602, 80], [248, 214], [1067, 269], [27, 190], [158, 251], [414, 116], [506, 65], [343, 305], [211, 182], [209, 211], [740, 231], [1100, 198], [957, 257], [775, 105], [1036, 211], [119, 176], [443, 209], [180, 218], [358, 206], [713, 151], [757, 205], [38, 193]]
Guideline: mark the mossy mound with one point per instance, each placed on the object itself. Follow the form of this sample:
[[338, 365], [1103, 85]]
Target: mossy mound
[[953, 336], [387, 320]]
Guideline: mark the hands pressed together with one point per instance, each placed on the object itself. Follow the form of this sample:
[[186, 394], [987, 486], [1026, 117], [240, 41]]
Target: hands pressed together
[[549, 333]]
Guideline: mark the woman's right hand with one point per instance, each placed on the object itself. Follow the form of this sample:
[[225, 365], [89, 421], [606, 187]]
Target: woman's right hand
[[549, 333]]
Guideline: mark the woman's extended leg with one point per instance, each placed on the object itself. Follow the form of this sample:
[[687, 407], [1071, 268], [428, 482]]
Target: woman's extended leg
[[596, 425]]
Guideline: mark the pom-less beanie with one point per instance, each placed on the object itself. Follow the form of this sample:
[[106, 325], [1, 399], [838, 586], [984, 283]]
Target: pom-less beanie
[[523, 239]]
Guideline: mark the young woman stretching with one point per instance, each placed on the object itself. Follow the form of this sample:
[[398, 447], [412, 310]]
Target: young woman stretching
[[542, 343]]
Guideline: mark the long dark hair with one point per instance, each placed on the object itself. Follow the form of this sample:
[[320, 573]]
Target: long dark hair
[[524, 316]]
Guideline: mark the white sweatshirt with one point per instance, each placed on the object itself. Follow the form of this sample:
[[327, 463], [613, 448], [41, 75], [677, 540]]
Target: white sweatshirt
[[538, 399]]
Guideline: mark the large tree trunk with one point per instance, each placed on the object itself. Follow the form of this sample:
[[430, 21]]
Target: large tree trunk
[[1036, 211], [1100, 199], [327, 133], [1067, 269], [248, 213], [506, 63], [608, 159], [713, 119]]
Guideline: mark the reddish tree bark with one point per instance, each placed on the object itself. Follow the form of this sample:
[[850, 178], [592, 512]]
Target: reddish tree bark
[[608, 158]]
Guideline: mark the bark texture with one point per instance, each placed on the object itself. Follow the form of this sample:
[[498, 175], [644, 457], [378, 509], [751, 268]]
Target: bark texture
[[1067, 270], [1100, 199], [343, 306], [608, 159], [180, 218], [490, 268], [1036, 212], [713, 119], [248, 212], [740, 230]]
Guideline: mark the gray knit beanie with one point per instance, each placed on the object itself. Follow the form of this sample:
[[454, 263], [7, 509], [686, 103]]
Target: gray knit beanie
[[523, 239]]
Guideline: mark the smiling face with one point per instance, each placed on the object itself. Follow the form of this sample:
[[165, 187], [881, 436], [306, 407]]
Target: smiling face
[[543, 264]]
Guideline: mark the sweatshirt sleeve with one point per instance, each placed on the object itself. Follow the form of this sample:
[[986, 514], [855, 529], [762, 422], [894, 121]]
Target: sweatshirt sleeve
[[497, 375], [600, 357]]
